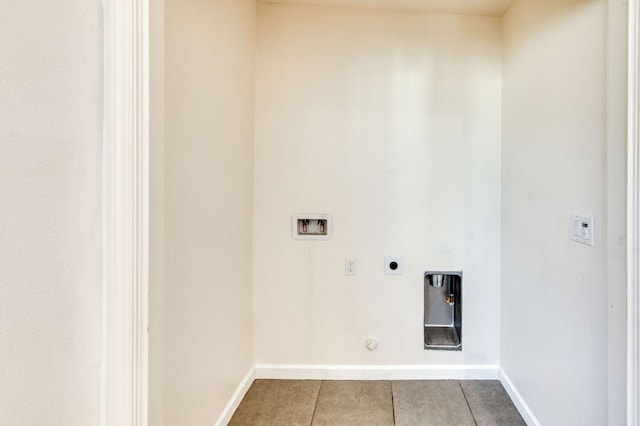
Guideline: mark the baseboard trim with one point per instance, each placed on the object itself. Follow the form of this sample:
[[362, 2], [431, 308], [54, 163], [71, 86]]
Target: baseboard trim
[[376, 372], [236, 398], [516, 397]]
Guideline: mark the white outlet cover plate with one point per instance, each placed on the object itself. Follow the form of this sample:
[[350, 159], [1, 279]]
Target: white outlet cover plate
[[390, 262], [351, 266]]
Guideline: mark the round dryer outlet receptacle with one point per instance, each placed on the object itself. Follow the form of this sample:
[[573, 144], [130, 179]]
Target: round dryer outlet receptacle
[[393, 265]]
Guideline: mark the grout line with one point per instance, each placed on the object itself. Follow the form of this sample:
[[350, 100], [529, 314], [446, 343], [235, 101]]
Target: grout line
[[467, 401], [393, 405], [315, 407]]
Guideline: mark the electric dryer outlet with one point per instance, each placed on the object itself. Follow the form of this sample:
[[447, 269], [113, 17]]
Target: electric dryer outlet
[[394, 265]]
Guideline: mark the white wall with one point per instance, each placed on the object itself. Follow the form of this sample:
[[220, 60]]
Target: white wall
[[554, 291], [208, 159], [616, 225], [390, 122], [50, 186]]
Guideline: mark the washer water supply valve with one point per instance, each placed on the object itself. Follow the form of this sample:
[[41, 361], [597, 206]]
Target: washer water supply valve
[[311, 227]]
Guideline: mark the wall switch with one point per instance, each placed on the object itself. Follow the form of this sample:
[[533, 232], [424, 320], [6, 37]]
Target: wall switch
[[582, 229], [350, 266], [393, 265]]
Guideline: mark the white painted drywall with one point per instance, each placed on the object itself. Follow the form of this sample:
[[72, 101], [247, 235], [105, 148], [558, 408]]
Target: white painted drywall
[[468, 7], [616, 176], [50, 209], [208, 162], [389, 122], [554, 291]]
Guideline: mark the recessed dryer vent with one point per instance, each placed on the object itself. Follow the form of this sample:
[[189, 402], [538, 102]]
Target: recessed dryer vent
[[443, 310]]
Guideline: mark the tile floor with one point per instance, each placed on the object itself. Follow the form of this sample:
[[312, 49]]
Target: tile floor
[[315, 402]]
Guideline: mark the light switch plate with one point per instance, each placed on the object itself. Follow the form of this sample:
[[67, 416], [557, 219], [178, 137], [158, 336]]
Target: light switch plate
[[582, 230]]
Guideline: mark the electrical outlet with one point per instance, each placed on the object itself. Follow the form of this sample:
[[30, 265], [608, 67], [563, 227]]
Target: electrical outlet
[[393, 265], [350, 266]]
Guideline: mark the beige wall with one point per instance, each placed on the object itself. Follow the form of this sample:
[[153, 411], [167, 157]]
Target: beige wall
[[466, 7], [50, 209], [554, 291], [390, 122], [156, 214], [208, 161]]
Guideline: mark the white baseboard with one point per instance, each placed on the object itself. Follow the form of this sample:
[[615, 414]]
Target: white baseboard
[[236, 398], [517, 399], [376, 372]]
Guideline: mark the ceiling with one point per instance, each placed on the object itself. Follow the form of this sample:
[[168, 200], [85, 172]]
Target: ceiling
[[467, 7]]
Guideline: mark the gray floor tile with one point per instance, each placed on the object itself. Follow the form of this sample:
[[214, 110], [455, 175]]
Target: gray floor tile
[[354, 403], [490, 403], [277, 402], [423, 403]]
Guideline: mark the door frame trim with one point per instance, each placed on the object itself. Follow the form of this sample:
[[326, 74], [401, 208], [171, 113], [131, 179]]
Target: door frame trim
[[633, 219], [125, 213]]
